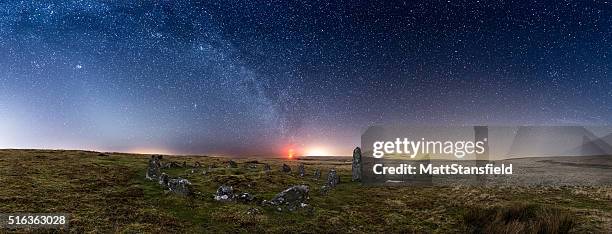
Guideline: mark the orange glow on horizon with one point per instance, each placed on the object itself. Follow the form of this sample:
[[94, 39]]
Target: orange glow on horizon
[[317, 151], [149, 151], [291, 153]]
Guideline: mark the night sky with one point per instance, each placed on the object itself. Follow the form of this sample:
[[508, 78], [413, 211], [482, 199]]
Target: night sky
[[262, 77]]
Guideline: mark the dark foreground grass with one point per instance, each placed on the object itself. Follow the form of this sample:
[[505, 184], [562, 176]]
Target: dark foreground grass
[[519, 218], [110, 194]]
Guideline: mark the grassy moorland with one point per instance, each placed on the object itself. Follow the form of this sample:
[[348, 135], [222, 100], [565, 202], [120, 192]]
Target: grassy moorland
[[109, 193]]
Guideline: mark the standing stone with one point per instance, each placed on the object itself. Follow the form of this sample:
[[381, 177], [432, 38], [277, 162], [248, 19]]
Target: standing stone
[[180, 186], [324, 189], [317, 174], [232, 164], [290, 199], [164, 180], [301, 170], [171, 165], [184, 164], [245, 197], [154, 169], [357, 165], [224, 193], [286, 168], [332, 178]]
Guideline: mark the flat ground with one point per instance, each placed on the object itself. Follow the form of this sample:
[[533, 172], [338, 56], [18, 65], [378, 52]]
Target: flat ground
[[110, 194]]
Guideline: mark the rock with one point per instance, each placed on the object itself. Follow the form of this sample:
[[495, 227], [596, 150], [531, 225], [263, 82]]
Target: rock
[[253, 211], [317, 174], [180, 186], [197, 165], [164, 180], [325, 189], [290, 199], [171, 165], [154, 168], [301, 170], [245, 197], [253, 166], [103, 155], [357, 165], [184, 164], [332, 178], [286, 168], [232, 164], [224, 193]]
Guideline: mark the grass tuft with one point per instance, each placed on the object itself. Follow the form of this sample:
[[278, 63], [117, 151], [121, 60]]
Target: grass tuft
[[518, 218]]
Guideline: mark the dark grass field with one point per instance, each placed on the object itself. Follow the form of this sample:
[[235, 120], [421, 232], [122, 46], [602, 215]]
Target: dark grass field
[[110, 194]]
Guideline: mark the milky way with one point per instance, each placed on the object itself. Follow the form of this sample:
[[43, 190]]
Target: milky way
[[256, 77]]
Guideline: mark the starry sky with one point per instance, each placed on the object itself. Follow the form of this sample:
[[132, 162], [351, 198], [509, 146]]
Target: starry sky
[[262, 77]]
